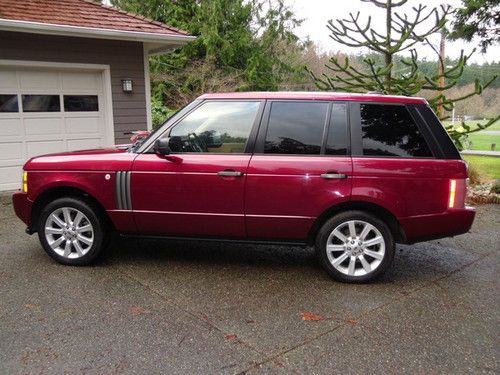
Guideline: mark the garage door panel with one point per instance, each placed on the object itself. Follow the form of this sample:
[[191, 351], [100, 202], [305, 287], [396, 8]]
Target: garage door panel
[[10, 177], [10, 127], [78, 81], [43, 147], [78, 125], [43, 126], [8, 81], [34, 80], [11, 151], [82, 144]]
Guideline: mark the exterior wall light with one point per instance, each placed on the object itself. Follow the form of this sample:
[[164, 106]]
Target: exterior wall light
[[127, 85]]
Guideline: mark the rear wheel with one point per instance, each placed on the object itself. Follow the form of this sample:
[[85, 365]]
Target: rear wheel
[[71, 232], [355, 247]]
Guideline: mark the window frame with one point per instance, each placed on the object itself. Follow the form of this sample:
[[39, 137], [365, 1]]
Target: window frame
[[357, 134], [262, 134], [166, 128]]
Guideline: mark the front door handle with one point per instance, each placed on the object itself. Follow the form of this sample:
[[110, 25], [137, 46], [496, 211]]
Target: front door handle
[[333, 176], [230, 173]]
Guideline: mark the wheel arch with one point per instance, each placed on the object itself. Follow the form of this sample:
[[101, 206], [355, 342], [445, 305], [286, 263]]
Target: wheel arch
[[382, 213], [57, 192]]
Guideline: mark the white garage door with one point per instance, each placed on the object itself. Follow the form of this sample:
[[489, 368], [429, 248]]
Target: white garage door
[[44, 111]]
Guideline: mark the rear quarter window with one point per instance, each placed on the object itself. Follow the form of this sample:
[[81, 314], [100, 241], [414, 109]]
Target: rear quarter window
[[390, 131]]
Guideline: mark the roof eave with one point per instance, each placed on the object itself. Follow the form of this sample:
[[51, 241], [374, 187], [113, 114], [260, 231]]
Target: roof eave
[[158, 42]]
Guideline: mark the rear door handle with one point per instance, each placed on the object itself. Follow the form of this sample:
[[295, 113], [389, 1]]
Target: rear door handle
[[230, 173], [333, 176]]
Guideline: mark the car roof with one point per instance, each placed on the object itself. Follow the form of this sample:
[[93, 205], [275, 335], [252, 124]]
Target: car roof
[[315, 95]]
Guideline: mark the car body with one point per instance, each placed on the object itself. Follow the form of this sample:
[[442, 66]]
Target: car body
[[266, 167]]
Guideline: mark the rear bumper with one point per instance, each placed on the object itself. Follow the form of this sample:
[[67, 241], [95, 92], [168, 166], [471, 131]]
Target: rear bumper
[[22, 207], [427, 227]]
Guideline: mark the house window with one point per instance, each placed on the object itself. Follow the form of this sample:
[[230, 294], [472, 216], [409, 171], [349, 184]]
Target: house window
[[41, 103], [8, 103], [81, 103]]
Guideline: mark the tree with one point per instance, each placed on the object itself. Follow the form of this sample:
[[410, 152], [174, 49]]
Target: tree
[[477, 18], [400, 35], [240, 45]]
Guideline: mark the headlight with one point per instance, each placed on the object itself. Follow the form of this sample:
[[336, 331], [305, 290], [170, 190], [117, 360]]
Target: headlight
[[25, 181]]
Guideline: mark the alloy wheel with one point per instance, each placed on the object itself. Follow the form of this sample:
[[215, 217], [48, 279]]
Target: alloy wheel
[[355, 248], [69, 232]]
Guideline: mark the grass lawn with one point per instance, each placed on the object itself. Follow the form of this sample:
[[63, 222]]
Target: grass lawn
[[484, 141], [472, 124], [487, 166]]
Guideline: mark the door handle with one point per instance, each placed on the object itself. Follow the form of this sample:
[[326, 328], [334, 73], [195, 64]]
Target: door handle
[[229, 173], [333, 176]]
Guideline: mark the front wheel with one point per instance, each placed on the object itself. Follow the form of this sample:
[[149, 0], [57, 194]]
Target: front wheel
[[355, 247], [71, 232]]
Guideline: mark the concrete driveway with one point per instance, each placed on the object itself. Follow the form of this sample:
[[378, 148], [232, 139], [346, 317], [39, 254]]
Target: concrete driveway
[[203, 308]]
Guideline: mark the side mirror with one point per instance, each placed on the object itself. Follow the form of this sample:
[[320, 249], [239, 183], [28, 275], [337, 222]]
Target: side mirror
[[161, 146]]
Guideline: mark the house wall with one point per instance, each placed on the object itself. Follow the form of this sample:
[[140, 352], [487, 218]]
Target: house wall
[[126, 60]]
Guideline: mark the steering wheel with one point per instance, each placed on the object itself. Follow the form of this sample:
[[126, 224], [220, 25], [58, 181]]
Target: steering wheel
[[197, 143]]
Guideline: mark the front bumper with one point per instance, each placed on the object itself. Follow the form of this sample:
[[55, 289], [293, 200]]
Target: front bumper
[[22, 207], [450, 223]]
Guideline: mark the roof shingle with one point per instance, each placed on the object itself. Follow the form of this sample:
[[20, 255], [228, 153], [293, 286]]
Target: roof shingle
[[82, 13]]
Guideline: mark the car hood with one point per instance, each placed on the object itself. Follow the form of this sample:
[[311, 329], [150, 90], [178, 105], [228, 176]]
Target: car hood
[[101, 159]]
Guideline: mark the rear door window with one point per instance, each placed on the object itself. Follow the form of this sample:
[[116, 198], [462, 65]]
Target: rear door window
[[389, 130], [296, 127]]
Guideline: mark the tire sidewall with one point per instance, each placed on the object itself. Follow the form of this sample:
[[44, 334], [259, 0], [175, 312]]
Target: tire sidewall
[[331, 224], [90, 213]]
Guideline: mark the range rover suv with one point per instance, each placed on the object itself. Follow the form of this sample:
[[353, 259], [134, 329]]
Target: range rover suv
[[350, 174]]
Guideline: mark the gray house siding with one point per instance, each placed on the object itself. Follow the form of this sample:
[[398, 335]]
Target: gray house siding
[[126, 60]]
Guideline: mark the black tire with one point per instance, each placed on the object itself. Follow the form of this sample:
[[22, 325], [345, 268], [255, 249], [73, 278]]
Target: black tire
[[100, 237], [343, 218]]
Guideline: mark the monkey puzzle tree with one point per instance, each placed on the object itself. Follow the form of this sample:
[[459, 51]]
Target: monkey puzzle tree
[[403, 32]]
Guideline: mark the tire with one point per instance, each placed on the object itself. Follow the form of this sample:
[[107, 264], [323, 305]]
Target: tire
[[355, 259], [79, 243]]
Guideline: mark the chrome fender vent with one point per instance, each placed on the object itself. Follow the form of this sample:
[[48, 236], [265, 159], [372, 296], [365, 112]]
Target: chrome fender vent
[[123, 199]]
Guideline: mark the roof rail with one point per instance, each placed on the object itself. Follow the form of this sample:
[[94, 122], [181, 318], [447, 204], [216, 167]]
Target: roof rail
[[376, 92]]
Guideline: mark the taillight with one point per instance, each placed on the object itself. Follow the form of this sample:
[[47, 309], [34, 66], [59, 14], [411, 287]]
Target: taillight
[[25, 182], [458, 191]]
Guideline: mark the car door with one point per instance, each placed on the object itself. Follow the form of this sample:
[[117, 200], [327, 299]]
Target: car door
[[197, 190], [300, 168]]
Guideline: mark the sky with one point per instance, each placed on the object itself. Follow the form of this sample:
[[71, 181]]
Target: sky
[[316, 14]]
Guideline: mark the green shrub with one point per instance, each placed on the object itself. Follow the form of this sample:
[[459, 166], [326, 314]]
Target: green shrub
[[496, 187], [159, 112]]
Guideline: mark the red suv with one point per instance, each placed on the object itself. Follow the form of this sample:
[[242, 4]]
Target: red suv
[[351, 174]]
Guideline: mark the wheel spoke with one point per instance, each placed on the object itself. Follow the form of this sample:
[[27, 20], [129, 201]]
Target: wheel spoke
[[78, 218], [58, 221], [374, 241], [67, 215], [366, 229], [352, 229], [365, 264], [85, 228], [374, 254], [340, 259], [78, 247], [339, 235], [352, 264], [56, 243], [51, 230], [85, 240], [67, 248], [334, 248]]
